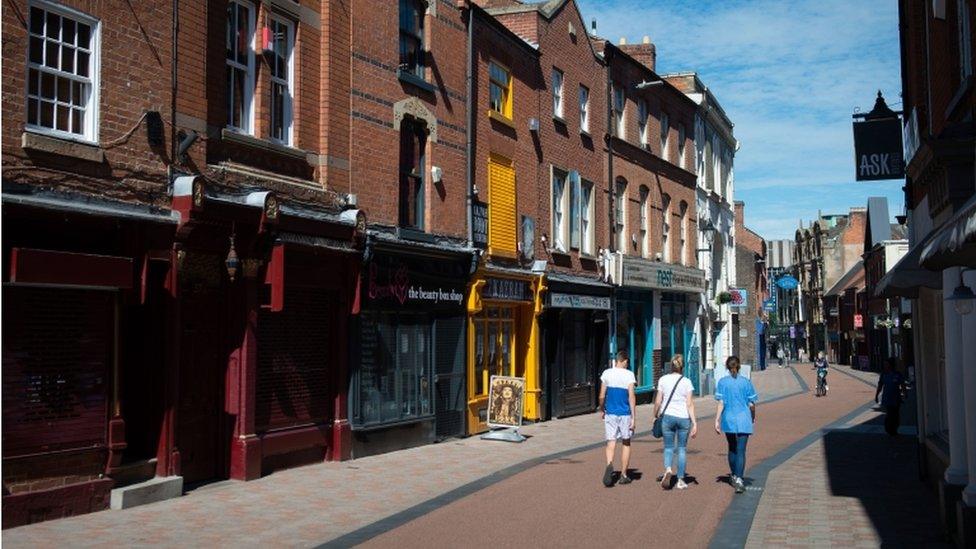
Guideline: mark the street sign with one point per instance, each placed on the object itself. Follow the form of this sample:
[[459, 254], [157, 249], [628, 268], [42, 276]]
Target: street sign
[[787, 282]]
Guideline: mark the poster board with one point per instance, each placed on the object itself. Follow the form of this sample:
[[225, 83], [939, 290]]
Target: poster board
[[506, 400]]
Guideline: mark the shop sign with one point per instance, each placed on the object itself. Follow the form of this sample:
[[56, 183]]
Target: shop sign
[[792, 332], [506, 398], [878, 149], [738, 298], [574, 301], [479, 224], [403, 282], [658, 276], [507, 289], [769, 305], [858, 321], [787, 282]]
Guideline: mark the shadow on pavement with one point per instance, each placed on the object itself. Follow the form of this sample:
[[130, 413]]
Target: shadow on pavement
[[881, 471]]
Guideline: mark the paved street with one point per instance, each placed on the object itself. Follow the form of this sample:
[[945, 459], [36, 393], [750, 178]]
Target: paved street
[[483, 493]]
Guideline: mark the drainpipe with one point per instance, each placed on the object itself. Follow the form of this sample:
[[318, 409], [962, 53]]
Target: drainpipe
[[607, 56], [173, 77], [469, 146]]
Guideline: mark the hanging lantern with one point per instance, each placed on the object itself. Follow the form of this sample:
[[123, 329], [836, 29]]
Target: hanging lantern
[[232, 262]]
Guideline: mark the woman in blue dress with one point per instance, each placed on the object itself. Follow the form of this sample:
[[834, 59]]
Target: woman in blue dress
[[735, 416]]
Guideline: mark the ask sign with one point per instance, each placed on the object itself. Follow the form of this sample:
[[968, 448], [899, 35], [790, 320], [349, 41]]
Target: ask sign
[[878, 149]]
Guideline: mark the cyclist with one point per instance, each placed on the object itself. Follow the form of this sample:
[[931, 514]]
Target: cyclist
[[822, 366]]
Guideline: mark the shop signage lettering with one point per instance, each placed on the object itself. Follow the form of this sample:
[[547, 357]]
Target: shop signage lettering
[[787, 282], [878, 149], [644, 274], [574, 301], [507, 289], [397, 286], [479, 222]]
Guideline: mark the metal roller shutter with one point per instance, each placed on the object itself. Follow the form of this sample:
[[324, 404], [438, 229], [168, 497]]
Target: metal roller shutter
[[57, 354], [293, 361], [449, 390]]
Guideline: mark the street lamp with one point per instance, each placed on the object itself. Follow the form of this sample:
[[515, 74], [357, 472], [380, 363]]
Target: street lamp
[[962, 298], [709, 229]]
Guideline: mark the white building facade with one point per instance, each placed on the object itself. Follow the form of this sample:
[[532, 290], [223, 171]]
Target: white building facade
[[715, 148]]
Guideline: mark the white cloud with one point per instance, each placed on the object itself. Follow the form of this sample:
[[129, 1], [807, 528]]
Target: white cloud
[[789, 74]]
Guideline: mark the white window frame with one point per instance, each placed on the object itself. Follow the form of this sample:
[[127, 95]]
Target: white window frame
[[683, 236], [93, 81], [620, 217], [560, 209], [586, 216], [289, 83], [645, 248], [557, 93], [249, 81], [619, 110], [584, 108], [682, 136], [642, 121], [666, 227], [965, 40], [665, 134]]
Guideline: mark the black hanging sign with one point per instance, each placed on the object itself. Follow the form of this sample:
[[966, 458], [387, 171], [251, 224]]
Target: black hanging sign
[[878, 150], [479, 223]]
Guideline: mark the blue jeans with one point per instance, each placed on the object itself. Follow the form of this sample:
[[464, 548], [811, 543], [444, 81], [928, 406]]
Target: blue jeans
[[676, 428], [737, 452]]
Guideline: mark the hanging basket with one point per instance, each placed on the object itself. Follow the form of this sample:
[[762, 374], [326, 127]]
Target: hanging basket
[[723, 297]]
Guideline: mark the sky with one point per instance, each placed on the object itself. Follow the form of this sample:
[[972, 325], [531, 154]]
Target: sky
[[789, 73]]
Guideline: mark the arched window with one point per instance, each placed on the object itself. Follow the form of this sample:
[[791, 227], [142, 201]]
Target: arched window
[[645, 244]]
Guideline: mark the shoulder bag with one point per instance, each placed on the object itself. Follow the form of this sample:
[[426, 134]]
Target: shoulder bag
[[658, 430]]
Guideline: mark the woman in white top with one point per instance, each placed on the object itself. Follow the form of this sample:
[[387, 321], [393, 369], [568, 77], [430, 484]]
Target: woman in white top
[[674, 394]]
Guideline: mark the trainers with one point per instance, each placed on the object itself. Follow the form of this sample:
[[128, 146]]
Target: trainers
[[608, 475], [624, 479], [666, 479], [739, 486], [681, 485]]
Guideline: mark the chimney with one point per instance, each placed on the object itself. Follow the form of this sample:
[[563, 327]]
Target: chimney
[[645, 52]]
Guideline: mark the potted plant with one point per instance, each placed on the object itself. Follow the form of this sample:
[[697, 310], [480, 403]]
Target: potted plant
[[723, 297]]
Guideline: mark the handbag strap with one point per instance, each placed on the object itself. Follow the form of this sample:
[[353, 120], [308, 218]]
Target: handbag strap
[[673, 389]]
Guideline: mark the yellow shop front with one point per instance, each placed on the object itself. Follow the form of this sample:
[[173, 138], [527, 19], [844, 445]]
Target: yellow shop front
[[503, 339]]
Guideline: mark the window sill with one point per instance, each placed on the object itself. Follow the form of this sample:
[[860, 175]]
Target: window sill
[[415, 80], [263, 144], [417, 235], [501, 118], [585, 133], [35, 141], [964, 87], [559, 119]]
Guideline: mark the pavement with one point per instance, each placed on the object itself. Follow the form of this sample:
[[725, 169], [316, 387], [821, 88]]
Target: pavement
[[481, 493]]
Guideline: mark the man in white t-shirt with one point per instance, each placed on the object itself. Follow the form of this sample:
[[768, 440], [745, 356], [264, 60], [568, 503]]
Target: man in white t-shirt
[[675, 402], [618, 406]]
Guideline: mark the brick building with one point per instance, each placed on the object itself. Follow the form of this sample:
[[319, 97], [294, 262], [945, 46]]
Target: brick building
[[654, 215], [937, 42], [749, 322]]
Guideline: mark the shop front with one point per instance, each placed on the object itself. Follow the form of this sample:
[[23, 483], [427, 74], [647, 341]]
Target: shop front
[[407, 385], [575, 347], [503, 339], [656, 312]]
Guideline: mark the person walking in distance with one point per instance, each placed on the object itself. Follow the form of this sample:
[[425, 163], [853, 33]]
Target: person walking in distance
[[735, 417], [678, 421], [780, 355], [890, 386], [618, 406]]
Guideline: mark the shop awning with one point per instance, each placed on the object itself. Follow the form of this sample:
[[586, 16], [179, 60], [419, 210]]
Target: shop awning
[[907, 276], [954, 243]]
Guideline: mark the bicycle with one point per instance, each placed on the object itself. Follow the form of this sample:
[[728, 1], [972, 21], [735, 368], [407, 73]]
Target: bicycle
[[821, 382]]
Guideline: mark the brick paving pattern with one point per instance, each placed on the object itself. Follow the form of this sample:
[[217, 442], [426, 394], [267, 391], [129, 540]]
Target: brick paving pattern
[[313, 504], [854, 487]]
